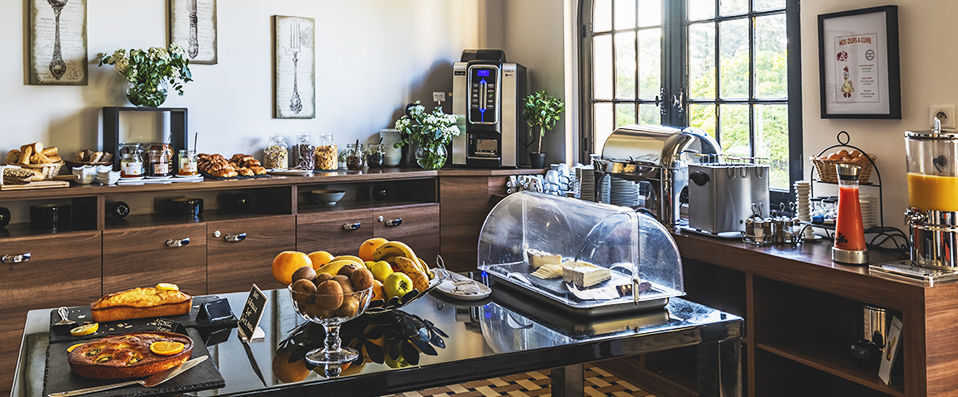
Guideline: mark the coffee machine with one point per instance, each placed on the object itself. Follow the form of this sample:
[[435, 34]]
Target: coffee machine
[[488, 92]]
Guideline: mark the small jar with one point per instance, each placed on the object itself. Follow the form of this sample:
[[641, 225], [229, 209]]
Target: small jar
[[342, 159], [304, 152], [276, 154], [355, 157], [131, 160], [159, 163], [186, 165], [375, 155], [327, 155]]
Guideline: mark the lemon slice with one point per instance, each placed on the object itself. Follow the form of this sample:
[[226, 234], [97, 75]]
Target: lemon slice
[[85, 329], [167, 287], [165, 348], [70, 349]]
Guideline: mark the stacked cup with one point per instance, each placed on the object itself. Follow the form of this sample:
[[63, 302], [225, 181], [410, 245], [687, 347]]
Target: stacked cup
[[803, 191]]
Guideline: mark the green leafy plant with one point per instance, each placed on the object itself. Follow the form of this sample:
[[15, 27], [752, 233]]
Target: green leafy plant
[[431, 131], [542, 111], [148, 72]]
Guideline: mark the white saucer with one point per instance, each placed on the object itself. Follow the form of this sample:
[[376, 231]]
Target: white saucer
[[460, 287]]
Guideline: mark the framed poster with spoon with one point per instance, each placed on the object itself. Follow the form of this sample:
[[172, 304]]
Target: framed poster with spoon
[[57, 43]]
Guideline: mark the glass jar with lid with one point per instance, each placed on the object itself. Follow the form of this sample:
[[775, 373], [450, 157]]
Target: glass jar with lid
[[375, 155], [187, 164], [276, 154], [159, 164], [355, 156], [303, 152], [131, 160], [327, 155]]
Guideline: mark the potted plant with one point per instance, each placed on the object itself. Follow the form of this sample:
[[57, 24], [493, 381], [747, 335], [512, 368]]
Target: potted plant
[[541, 112], [149, 73], [432, 132]]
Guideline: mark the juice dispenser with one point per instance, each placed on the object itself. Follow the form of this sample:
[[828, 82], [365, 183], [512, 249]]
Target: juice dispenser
[[932, 197]]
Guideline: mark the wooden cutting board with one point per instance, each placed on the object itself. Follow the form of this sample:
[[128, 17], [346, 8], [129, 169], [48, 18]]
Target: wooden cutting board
[[36, 185]]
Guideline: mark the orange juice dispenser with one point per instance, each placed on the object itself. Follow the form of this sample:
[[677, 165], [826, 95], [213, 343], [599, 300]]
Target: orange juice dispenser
[[849, 246], [932, 197]]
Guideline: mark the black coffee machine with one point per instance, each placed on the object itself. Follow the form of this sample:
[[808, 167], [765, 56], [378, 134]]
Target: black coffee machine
[[488, 92]]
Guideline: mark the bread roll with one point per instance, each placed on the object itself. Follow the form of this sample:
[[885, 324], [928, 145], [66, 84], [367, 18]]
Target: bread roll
[[13, 156], [50, 151], [25, 152]]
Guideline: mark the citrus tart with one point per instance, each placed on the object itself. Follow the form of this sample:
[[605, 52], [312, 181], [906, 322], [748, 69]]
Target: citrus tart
[[134, 355], [162, 300]]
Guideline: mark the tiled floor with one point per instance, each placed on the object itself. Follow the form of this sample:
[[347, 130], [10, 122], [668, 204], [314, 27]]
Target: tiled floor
[[598, 383]]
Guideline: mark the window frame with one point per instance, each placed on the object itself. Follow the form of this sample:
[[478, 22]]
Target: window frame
[[674, 78]]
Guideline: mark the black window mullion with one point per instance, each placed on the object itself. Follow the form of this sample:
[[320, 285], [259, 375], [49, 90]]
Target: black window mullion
[[635, 42], [718, 76], [751, 80]]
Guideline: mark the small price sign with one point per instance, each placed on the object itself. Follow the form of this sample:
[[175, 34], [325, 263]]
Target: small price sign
[[252, 313]]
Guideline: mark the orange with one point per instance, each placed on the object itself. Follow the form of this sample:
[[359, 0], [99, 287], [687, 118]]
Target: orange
[[320, 258], [378, 293], [166, 348], [369, 246], [70, 349], [288, 372], [84, 330], [286, 262]]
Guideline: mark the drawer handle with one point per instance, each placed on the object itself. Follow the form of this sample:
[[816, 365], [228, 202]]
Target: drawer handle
[[352, 226], [15, 258], [234, 238], [393, 222], [178, 243]]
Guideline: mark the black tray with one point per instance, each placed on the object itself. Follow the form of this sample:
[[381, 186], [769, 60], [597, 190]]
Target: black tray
[[58, 378], [238, 177], [81, 314]]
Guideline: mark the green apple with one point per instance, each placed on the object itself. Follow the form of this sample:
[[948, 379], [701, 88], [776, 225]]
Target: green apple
[[397, 284], [380, 270], [369, 264]]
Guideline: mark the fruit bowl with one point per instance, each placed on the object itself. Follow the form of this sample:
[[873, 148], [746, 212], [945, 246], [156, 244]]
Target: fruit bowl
[[329, 307], [436, 277]]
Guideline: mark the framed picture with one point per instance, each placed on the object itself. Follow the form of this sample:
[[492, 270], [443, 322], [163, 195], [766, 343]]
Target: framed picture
[[193, 27], [859, 69], [294, 68], [57, 44]]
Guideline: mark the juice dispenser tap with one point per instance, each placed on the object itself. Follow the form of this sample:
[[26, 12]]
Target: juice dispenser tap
[[849, 245]]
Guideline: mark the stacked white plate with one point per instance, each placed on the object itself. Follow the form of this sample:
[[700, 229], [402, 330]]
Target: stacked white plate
[[803, 191], [624, 192], [869, 205], [585, 183], [605, 189]]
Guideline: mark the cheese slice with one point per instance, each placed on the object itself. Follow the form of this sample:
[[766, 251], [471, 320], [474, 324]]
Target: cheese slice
[[546, 272], [584, 274], [539, 258]]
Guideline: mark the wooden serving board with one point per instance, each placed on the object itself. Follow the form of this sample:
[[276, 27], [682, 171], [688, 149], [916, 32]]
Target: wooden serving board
[[36, 185]]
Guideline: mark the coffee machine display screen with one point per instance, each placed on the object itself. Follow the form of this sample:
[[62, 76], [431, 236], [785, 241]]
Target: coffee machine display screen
[[483, 94]]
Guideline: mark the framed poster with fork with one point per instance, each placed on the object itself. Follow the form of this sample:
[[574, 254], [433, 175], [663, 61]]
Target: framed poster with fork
[[57, 43], [294, 68], [193, 27]]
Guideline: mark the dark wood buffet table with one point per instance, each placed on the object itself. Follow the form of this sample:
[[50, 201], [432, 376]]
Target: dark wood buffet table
[[483, 340]]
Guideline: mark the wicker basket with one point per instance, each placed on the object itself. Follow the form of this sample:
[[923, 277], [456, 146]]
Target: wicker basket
[[46, 171], [827, 173]]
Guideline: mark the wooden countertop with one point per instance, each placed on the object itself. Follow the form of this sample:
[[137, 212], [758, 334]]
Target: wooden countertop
[[490, 172], [317, 178]]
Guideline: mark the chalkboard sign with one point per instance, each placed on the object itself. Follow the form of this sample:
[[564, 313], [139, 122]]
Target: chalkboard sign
[[252, 313]]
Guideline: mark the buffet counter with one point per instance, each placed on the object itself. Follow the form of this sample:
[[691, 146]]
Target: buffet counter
[[468, 342]]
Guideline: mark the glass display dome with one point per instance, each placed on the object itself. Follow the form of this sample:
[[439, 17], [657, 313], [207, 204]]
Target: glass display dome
[[583, 256]]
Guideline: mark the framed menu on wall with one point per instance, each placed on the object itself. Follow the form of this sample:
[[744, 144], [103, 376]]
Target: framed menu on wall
[[193, 27], [859, 68], [57, 44]]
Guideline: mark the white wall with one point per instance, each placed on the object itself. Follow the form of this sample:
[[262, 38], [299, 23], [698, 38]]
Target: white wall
[[928, 58], [373, 56]]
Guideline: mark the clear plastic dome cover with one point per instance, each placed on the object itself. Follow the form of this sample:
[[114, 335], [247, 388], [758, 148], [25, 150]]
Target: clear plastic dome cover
[[627, 243]]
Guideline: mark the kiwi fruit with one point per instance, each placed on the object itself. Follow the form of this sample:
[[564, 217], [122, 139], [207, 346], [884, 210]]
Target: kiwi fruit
[[329, 295], [348, 309], [345, 283], [361, 279], [349, 269], [315, 310], [320, 277], [304, 273]]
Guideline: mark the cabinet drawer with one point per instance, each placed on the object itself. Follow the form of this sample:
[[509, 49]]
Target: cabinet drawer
[[62, 270], [240, 252], [328, 231], [417, 226], [138, 257]]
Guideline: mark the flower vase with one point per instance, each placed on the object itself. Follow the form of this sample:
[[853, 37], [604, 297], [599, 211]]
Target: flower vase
[[142, 95], [431, 158]]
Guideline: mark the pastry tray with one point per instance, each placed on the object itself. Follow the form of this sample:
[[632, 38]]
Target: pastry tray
[[57, 376], [517, 276], [238, 177]]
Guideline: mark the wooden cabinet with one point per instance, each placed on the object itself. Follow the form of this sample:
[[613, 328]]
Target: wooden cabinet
[[63, 270], [137, 257], [240, 252], [416, 225], [339, 232]]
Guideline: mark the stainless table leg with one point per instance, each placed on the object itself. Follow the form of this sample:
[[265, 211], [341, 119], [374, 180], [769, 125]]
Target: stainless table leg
[[720, 369], [568, 381]]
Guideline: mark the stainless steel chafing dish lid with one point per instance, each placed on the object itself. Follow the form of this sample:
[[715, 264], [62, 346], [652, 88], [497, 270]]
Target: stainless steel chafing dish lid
[[655, 145]]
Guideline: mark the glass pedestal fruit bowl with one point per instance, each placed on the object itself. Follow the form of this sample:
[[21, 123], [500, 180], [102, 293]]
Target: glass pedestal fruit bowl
[[329, 304]]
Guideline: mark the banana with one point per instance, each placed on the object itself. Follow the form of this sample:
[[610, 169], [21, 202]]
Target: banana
[[332, 268], [394, 248], [411, 268], [351, 258], [424, 267]]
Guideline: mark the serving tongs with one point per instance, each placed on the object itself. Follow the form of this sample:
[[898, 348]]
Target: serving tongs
[[152, 381]]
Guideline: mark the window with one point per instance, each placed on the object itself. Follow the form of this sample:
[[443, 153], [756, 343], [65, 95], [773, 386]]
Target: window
[[729, 67]]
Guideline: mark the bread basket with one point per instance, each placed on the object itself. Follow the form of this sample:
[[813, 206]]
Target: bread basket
[[827, 173], [44, 171]]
